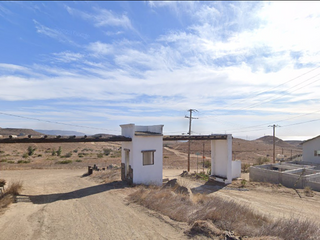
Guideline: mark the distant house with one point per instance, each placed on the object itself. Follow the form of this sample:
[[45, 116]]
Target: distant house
[[311, 150]]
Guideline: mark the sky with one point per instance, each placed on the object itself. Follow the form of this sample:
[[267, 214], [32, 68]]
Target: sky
[[92, 66]]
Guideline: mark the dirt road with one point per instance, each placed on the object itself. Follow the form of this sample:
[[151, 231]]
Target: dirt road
[[59, 204]]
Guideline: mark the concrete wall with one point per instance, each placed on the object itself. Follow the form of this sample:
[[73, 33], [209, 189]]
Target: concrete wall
[[221, 160], [236, 169], [290, 178], [144, 174], [308, 151]]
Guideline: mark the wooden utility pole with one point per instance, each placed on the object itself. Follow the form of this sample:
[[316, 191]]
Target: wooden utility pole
[[190, 118], [274, 141]]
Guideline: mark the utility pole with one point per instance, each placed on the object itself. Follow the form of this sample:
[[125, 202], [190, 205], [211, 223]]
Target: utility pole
[[274, 141], [190, 118]]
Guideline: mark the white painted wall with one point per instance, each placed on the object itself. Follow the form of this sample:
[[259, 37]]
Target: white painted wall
[[308, 150], [236, 169], [148, 174], [221, 160]]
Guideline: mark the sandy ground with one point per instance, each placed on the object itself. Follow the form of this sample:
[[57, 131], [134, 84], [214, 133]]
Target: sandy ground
[[59, 204]]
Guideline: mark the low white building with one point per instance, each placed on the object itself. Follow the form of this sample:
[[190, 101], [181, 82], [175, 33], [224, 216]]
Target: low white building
[[311, 150], [142, 158]]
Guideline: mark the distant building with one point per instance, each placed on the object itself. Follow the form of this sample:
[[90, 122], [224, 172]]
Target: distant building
[[311, 150]]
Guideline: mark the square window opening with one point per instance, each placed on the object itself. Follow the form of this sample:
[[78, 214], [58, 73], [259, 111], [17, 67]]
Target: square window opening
[[148, 157]]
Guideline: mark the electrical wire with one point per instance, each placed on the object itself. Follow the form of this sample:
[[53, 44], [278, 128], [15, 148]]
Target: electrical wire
[[41, 120]]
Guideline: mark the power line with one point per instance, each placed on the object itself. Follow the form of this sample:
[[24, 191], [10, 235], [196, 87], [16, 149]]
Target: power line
[[54, 122]]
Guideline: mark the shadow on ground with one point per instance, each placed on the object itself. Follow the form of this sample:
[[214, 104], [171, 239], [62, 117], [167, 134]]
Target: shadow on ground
[[84, 192]]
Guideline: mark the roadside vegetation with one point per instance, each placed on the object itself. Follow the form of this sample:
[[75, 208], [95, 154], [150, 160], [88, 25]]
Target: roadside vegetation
[[219, 215], [8, 194]]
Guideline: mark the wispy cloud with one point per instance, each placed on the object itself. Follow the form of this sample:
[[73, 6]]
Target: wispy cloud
[[103, 17], [52, 33]]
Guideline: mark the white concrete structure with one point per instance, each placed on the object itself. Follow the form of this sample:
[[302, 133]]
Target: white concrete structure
[[142, 158], [222, 166], [311, 150]]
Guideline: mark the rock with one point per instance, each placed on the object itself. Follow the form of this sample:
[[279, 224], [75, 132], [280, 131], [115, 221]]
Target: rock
[[112, 166]]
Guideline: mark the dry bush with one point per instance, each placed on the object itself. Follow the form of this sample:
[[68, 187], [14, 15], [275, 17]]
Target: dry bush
[[14, 188], [107, 176], [308, 191], [224, 214], [292, 229], [9, 193]]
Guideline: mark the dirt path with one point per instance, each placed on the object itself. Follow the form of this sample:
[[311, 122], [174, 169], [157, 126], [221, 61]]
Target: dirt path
[[59, 204]]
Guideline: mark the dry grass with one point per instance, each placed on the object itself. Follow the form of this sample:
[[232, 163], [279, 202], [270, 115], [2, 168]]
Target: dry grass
[[225, 215], [106, 176], [7, 197]]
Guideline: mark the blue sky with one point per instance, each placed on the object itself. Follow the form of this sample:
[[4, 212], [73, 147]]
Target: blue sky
[[242, 65]]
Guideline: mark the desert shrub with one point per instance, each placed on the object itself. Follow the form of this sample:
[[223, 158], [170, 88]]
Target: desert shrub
[[245, 167], [59, 151], [23, 161], [227, 215], [64, 162], [207, 164], [165, 157], [243, 183], [1, 152], [3, 160], [107, 151], [203, 176], [262, 160], [31, 150], [80, 155], [2, 182], [39, 155], [78, 160], [26, 155], [14, 188], [53, 153], [10, 161], [308, 191], [100, 155], [75, 151]]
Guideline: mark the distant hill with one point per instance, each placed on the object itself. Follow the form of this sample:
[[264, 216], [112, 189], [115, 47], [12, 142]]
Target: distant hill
[[279, 142], [60, 132], [104, 135], [19, 132]]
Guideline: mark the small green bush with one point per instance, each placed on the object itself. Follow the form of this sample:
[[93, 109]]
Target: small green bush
[[78, 160], [1, 152], [26, 155], [31, 150], [39, 155], [59, 151], [107, 151], [10, 161], [80, 155], [53, 153], [100, 155], [23, 161], [207, 164], [3, 160], [75, 151], [64, 162]]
